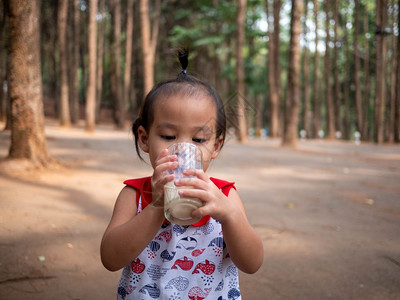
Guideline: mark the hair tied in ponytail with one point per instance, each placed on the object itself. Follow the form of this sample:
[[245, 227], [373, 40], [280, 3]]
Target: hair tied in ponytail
[[183, 55]]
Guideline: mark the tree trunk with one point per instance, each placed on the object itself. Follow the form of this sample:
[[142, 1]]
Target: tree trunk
[[74, 81], [99, 79], [306, 73], [28, 140], [275, 102], [346, 85], [273, 74], [65, 119], [3, 95], [381, 23], [396, 137], [149, 41], [315, 97], [392, 103], [269, 66], [336, 84], [91, 89], [367, 84], [357, 74], [119, 107], [293, 95], [241, 110], [330, 120], [128, 51], [3, 65]]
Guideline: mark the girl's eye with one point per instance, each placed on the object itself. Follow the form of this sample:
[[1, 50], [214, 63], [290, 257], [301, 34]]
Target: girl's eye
[[168, 137], [199, 141]]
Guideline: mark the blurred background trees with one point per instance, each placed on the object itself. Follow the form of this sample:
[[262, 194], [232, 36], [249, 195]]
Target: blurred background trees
[[349, 61], [25, 84]]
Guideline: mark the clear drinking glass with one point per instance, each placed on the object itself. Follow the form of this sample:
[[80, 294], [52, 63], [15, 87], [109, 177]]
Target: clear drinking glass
[[179, 209]]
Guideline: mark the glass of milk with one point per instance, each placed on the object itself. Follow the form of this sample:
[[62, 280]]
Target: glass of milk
[[179, 209]]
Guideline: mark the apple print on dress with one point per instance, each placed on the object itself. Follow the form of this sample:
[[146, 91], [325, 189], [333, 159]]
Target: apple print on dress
[[185, 264], [137, 267], [182, 262]]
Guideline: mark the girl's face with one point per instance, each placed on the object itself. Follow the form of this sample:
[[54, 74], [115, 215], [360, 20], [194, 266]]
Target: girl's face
[[179, 119]]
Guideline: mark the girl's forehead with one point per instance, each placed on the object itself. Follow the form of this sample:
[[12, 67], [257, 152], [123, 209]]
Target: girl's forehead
[[193, 110], [176, 102]]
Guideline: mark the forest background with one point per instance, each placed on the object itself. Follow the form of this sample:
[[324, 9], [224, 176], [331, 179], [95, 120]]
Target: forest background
[[327, 211], [283, 68]]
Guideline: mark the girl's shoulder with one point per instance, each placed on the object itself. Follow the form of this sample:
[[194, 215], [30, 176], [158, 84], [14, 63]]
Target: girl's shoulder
[[139, 184]]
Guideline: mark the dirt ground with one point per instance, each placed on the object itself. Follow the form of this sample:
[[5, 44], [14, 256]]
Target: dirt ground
[[328, 214]]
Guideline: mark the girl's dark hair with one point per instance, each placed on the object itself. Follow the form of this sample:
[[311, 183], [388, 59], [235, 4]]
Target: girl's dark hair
[[185, 84]]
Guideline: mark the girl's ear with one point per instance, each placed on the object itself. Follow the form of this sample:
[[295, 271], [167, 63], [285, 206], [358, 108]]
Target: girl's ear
[[143, 139], [217, 147]]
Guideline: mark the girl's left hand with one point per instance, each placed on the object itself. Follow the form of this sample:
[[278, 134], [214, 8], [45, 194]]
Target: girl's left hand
[[215, 202]]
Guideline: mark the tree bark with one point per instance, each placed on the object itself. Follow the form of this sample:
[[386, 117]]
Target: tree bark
[[394, 62], [381, 23], [3, 65], [336, 83], [357, 73], [91, 89], [330, 120], [65, 118], [241, 110], [315, 97], [346, 86], [128, 52], [149, 41], [99, 79], [276, 72], [119, 107], [367, 84], [74, 83], [272, 93], [396, 137], [306, 73], [28, 139], [293, 95]]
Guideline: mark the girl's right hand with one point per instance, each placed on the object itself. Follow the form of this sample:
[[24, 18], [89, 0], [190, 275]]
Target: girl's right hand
[[163, 163]]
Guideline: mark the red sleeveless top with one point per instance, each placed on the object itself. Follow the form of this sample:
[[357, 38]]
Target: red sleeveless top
[[143, 188]]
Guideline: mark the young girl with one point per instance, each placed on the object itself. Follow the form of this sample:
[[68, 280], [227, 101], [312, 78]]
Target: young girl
[[162, 260]]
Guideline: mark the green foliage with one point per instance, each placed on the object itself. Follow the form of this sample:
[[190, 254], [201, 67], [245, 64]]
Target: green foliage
[[208, 27]]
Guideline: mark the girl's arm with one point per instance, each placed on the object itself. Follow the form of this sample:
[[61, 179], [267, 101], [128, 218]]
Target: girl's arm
[[128, 232], [244, 245]]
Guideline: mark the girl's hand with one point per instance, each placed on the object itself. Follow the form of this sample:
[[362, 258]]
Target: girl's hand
[[244, 245], [163, 163], [215, 202]]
